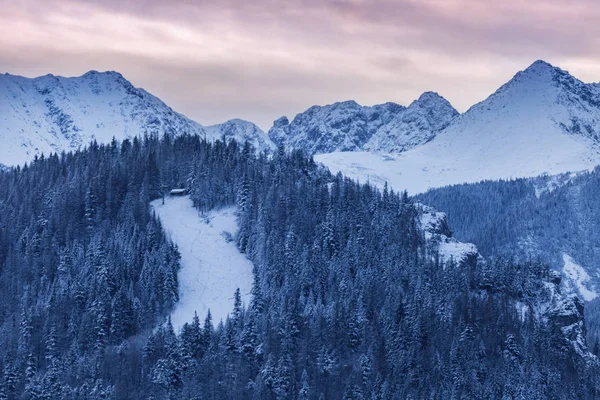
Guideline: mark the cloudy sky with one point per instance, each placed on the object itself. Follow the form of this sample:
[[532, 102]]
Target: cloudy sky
[[261, 59]]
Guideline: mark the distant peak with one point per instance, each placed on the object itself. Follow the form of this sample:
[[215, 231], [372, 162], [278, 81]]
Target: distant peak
[[541, 68], [430, 96], [541, 63], [347, 103], [238, 121], [281, 122], [106, 73], [432, 100]]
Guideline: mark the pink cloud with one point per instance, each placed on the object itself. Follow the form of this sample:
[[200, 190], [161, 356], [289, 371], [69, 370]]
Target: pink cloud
[[262, 59]]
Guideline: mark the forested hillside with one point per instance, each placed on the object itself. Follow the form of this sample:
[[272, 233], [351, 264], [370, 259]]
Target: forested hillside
[[348, 301], [540, 218]]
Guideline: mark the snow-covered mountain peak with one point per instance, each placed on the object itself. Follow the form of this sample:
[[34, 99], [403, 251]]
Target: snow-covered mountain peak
[[542, 121], [281, 122], [348, 126], [242, 131], [543, 78], [541, 66], [540, 72], [432, 99], [93, 72], [54, 113]]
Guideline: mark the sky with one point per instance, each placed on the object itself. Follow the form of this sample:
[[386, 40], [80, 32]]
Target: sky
[[262, 59]]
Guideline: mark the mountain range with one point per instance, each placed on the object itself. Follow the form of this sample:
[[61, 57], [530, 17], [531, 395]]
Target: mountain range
[[54, 114], [543, 121], [348, 126], [384, 294]]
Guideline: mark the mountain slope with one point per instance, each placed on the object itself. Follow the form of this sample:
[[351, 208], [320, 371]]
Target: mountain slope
[[554, 219], [562, 310], [348, 126], [542, 121], [241, 131], [54, 114]]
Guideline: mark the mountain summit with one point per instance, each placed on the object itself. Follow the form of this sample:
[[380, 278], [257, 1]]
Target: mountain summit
[[54, 114], [542, 121], [348, 126]]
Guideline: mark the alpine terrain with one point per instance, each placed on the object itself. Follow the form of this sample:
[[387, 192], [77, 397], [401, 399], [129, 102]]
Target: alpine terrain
[[348, 126], [542, 121], [267, 275], [55, 114]]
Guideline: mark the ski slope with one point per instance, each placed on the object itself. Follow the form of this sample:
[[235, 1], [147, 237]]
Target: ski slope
[[212, 267]]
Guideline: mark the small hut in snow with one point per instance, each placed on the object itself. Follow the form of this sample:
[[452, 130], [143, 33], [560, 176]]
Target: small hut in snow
[[178, 192]]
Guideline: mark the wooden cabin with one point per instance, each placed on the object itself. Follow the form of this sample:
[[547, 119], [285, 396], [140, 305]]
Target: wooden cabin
[[178, 192]]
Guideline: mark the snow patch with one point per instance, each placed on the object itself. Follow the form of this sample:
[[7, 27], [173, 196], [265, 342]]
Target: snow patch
[[451, 249], [522, 310], [579, 277], [434, 226], [548, 184], [212, 267]]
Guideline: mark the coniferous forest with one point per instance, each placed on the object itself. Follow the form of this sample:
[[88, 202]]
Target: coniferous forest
[[536, 218], [348, 301]]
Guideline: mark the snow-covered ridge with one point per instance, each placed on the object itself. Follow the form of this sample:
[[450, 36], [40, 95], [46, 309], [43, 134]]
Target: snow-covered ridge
[[562, 311], [348, 126], [543, 121], [54, 114]]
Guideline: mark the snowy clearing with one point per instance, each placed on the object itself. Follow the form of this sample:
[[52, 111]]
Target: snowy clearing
[[579, 277], [212, 267]]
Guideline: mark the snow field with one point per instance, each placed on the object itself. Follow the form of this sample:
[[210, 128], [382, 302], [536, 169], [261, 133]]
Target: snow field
[[212, 267]]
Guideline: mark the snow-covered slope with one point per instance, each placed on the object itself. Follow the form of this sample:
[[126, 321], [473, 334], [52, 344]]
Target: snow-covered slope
[[241, 131], [348, 126], [579, 278], [53, 113], [212, 267], [542, 121]]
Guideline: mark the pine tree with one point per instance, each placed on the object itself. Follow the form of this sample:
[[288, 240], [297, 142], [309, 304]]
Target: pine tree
[[304, 393]]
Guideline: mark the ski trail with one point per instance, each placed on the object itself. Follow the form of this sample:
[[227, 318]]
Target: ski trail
[[211, 267]]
